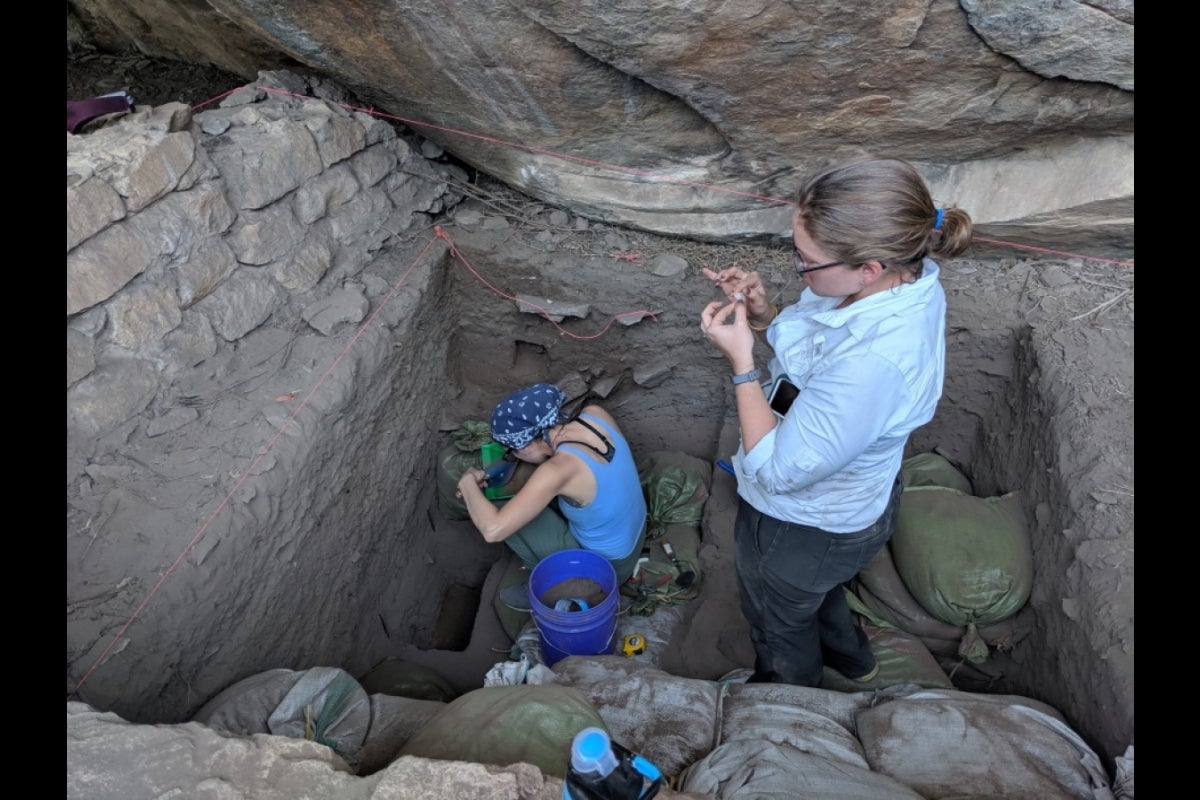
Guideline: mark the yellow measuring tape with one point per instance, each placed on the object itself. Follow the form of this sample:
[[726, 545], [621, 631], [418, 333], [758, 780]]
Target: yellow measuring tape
[[633, 644]]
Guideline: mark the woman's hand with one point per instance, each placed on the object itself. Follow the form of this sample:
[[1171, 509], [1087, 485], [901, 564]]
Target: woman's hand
[[724, 324], [744, 287], [497, 523], [473, 477]]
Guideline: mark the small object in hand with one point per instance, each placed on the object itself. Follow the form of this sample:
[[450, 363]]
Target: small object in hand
[[738, 297]]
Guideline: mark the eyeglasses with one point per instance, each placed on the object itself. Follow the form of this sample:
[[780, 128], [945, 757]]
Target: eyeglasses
[[802, 266]]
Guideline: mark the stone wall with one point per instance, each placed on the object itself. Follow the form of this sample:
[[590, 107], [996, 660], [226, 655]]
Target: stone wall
[[198, 229], [218, 263]]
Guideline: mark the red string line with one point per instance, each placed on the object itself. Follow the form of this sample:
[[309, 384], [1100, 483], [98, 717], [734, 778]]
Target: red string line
[[215, 99], [1128, 264], [632, 170], [545, 312], [654, 176], [646, 173]]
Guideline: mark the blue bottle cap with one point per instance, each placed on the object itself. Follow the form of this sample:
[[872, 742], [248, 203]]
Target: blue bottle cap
[[592, 752]]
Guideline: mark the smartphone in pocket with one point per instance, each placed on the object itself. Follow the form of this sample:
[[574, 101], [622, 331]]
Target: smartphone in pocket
[[783, 394]]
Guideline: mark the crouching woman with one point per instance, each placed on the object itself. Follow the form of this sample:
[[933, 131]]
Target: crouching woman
[[584, 492]]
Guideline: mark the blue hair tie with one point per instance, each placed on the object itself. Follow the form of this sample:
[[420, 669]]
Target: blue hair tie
[[937, 221]]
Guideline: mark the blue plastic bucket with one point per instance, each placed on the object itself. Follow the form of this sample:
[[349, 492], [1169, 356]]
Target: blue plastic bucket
[[591, 632]]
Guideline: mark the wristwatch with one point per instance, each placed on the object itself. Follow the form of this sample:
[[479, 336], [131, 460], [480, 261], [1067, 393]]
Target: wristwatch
[[745, 377]]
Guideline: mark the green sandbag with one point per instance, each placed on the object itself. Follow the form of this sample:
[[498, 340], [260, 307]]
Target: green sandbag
[[879, 587], [676, 487], [930, 469], [968, 642], [452, 463], [400, 678], [658, 579], [965, 559], [902, 658], [455, 459], [509, 724]]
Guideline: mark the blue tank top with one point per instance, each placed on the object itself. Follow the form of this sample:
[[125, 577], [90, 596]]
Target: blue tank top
[[611, 523]]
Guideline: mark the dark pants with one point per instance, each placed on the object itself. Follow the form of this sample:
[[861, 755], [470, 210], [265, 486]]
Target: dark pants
[[790, 578]]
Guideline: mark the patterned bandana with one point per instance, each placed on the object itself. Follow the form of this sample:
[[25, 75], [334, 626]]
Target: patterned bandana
[[526, 414]]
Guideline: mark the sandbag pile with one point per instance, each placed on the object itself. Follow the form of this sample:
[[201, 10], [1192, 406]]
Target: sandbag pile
[[742, 741], [711, 739], [958, 571], [325, 705]]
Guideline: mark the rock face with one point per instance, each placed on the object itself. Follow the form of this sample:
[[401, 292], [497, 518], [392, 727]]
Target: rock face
[[111, 759], [1020, 112]]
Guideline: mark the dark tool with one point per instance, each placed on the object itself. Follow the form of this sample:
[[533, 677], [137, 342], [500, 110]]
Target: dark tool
[[686, 577], [499, 473]]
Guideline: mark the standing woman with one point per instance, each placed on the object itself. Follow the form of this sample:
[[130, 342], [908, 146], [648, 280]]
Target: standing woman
[[819, 488]]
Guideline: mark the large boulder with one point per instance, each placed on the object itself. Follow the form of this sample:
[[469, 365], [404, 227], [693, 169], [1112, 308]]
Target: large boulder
[[697, 117]]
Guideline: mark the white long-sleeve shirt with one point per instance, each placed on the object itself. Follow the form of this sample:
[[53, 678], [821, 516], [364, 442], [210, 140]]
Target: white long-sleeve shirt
[[869, 374]]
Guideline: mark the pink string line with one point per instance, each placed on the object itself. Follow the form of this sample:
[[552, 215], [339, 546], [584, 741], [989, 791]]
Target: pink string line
[[221, 96], [1128, 264], [564, 156], [631, 170], [640, 313]]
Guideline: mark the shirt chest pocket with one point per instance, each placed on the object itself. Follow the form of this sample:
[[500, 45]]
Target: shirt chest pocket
[[803, 358]]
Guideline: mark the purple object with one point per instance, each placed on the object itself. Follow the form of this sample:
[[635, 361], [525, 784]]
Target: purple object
[[81, 111]]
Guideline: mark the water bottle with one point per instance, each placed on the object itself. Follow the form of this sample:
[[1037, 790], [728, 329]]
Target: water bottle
[[601, 769]]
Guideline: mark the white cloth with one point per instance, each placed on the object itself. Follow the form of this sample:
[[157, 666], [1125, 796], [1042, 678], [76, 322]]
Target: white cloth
[[869, 374], [507, 673]]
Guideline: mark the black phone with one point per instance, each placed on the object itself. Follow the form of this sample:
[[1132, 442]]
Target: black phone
[[783, 394]]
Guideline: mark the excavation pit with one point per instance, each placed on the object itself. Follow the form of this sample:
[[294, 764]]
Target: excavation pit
[[244, 498]]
